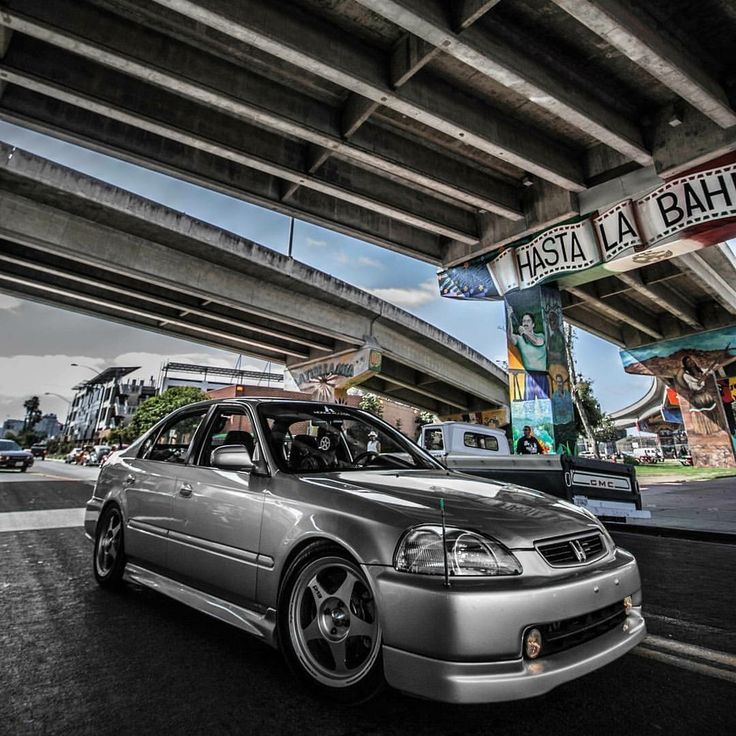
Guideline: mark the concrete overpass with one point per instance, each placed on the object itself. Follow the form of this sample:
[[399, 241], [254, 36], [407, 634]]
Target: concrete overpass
[[441, 129], [75, 242]]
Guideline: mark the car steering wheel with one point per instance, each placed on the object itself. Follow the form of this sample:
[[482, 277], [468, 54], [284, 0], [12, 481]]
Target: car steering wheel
[[365, 458]]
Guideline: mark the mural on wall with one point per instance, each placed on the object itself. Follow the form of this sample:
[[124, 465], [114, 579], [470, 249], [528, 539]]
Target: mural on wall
[[539, 382], [689, 365]]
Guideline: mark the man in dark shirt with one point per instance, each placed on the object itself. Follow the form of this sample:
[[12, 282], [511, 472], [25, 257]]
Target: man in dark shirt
[[528, 444]]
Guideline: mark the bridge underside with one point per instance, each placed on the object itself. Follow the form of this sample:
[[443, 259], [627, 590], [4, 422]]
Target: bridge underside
[[442, 129], [667, 299], [72, 241]]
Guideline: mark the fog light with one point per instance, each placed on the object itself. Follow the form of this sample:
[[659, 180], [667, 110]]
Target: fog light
[[628, 604], [533, 643]]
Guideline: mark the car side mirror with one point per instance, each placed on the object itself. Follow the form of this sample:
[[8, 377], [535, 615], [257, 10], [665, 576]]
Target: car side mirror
[[231, 457]]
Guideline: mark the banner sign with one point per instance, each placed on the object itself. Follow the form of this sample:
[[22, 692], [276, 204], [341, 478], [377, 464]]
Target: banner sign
[[686, 206], [323, 376]]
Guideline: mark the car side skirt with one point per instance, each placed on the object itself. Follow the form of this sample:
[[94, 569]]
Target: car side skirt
[[259, 624]]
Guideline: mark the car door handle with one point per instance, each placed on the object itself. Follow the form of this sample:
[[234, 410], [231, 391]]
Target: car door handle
[[186, 490], [129, 480]]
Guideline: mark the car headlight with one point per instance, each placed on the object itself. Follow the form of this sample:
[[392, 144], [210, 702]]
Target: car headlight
[[468, 553]]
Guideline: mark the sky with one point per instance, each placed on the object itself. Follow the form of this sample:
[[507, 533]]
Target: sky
[[40, 342]]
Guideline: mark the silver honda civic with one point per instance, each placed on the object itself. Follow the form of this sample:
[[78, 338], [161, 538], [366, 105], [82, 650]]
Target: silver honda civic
[[327, 533]]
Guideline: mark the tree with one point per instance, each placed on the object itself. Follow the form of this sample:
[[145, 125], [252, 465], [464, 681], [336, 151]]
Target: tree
[[25, 438], [371, 403], [155, 408], [33, 413], [424, 417], [590, 420]]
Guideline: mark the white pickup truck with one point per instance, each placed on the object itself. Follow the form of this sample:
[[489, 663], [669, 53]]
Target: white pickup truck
[[609, 490]]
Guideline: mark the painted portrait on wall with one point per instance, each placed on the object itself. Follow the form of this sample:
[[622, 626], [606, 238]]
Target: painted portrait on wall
[[690, 366]]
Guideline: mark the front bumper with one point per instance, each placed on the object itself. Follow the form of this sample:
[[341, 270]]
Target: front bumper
[[16, 463], [463, 644], [489, 682]]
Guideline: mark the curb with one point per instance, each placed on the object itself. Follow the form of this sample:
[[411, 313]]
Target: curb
[[696, 535]]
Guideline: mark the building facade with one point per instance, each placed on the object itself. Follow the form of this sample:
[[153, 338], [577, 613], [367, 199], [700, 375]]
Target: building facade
[[105, 403]]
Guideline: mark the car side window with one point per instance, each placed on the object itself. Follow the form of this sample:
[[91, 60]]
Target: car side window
[[433, 439], [172, 442], [229, 426], [480, 441]]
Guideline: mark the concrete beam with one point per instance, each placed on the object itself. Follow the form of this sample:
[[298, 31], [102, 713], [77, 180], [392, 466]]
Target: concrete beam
[[217, 86], [110, 289], [139, 147], [720, 288], [426, 19], [662, 297], [466, 12], [433, 222], [293, 38], [693, 141], [356, 111], [544, 205], [5, 35], [408, 56], [136, 313], [665, 60], [442, 398], [619, 310]]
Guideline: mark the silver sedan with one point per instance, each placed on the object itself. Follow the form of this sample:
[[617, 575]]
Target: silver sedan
[[327, 533]]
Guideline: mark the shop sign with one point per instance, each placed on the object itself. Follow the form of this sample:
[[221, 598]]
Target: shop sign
[[339, 371]]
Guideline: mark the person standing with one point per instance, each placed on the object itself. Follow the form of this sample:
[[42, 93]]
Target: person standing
[[528, 444]]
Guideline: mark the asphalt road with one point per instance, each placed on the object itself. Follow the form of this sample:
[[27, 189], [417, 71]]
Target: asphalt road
[[80, 660]]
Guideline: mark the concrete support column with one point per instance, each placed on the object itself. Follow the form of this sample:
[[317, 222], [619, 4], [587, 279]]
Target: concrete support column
[[690, 366], [539, 376]]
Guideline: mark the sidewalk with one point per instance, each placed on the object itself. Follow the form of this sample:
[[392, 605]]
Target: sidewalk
[[694, 505]]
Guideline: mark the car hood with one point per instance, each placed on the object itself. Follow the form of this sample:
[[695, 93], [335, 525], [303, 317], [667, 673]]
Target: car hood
[[514, 515], [16, 454]]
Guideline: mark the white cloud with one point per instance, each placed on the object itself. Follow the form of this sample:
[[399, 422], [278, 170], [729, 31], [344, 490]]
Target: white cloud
[[423, 294], [9, 302], [314, 243], [369, 262]]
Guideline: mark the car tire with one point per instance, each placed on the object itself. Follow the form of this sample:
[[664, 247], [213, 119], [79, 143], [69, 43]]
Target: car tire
[[108, 558], [329, 627], [23, 469]]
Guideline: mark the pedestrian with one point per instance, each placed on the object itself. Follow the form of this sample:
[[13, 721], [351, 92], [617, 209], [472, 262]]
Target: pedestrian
[[528, 444], [373, 445]]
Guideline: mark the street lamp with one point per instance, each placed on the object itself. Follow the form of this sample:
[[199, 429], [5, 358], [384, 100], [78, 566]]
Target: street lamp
[[88, 367], [58, 396]]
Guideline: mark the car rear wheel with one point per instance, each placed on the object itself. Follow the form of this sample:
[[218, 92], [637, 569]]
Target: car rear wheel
[[109, 556], [329, 627]]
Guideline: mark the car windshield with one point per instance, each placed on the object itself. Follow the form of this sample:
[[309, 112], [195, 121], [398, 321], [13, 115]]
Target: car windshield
[[9, 446], [318, 438]]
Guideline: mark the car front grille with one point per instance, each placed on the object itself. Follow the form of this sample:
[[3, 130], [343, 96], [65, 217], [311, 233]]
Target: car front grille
[[578, 550], [558, 636]]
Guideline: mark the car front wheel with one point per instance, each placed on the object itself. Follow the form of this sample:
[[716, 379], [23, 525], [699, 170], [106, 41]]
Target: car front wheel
[[329, 627], [109, 556]]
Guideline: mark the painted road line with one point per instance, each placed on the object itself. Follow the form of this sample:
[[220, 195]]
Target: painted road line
[[691, 625], [21, 521], [686, 664], [690, 650]]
